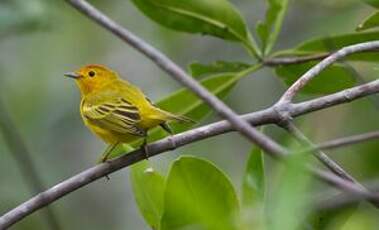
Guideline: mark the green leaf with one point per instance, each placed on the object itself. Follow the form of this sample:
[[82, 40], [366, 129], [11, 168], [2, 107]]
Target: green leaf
[[332, 79], [198, 70], [321, 219], [287, 206], [329, 44], [269, 30], [198, 195], [214, 17], [374, 3], [253, 187], [370, 22], [148, 187]]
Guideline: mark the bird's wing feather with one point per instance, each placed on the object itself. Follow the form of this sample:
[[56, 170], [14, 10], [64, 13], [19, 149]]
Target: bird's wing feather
[[118, 115]]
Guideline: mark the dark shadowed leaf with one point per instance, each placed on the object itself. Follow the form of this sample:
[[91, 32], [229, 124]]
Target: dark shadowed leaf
[[148, 187], [374, 3], [332, 43], [269, 29], [198, 195], [370, 22], [330, 80], [253, 187], [199, 70], [327, 44]]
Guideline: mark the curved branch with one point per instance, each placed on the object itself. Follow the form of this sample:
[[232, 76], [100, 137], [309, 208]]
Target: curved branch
[[314, 71], [262, 117]]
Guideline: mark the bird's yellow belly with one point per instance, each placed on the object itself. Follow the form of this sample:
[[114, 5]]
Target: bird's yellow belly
[[111, 137]]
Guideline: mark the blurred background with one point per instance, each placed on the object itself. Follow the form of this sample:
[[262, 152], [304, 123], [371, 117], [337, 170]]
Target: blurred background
[[42, 39]]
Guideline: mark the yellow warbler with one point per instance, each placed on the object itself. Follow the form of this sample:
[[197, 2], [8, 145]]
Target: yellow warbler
[[115, 110]]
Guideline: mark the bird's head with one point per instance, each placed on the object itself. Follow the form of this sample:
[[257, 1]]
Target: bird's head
[[92, 77]]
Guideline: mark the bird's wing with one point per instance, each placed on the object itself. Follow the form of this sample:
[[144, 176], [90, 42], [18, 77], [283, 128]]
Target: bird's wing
[[118, 115]]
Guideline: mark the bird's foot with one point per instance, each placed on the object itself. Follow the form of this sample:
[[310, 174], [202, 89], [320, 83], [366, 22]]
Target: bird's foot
[[173, 144], [145, 151]]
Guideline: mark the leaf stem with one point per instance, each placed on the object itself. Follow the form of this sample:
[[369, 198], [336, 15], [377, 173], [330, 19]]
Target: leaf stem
[[252, 47]]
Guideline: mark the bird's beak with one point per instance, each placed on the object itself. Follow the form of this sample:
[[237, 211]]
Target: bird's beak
[[72, 75]]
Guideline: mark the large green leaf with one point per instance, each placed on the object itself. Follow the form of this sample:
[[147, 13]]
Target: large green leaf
[[332, 79], [269, 29], [198, 195], [331, 43], [198, 69], [287, 206], [214, 17], [327, 44], [371, 21], [148, 187], [253, 187]]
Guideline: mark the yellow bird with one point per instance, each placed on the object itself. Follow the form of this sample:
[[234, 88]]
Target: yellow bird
[[115, 110]]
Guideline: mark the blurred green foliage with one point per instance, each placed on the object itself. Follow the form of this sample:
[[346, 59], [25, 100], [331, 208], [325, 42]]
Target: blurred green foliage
[[40, 40]]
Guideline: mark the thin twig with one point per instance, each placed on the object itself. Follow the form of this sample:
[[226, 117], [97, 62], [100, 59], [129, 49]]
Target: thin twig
[[24, 161], [320, 155], [327, 161], [330, 200], [314, 71], [262, 117], [291, 60], [343, 141]]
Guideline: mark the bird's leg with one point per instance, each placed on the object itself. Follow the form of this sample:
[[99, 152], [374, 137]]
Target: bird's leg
[[144, 147], [168, 129], [106, 154], [108, 151]]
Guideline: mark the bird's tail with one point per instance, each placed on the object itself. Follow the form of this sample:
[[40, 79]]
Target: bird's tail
[[178, 118]]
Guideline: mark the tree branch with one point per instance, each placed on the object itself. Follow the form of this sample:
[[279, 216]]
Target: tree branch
[[343, 141], [314, 71], [329, 200], [328, 162], [262, 117], [320, 155]]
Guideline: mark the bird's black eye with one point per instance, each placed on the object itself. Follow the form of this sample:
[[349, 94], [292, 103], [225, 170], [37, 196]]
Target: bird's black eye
[[91, 73]]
